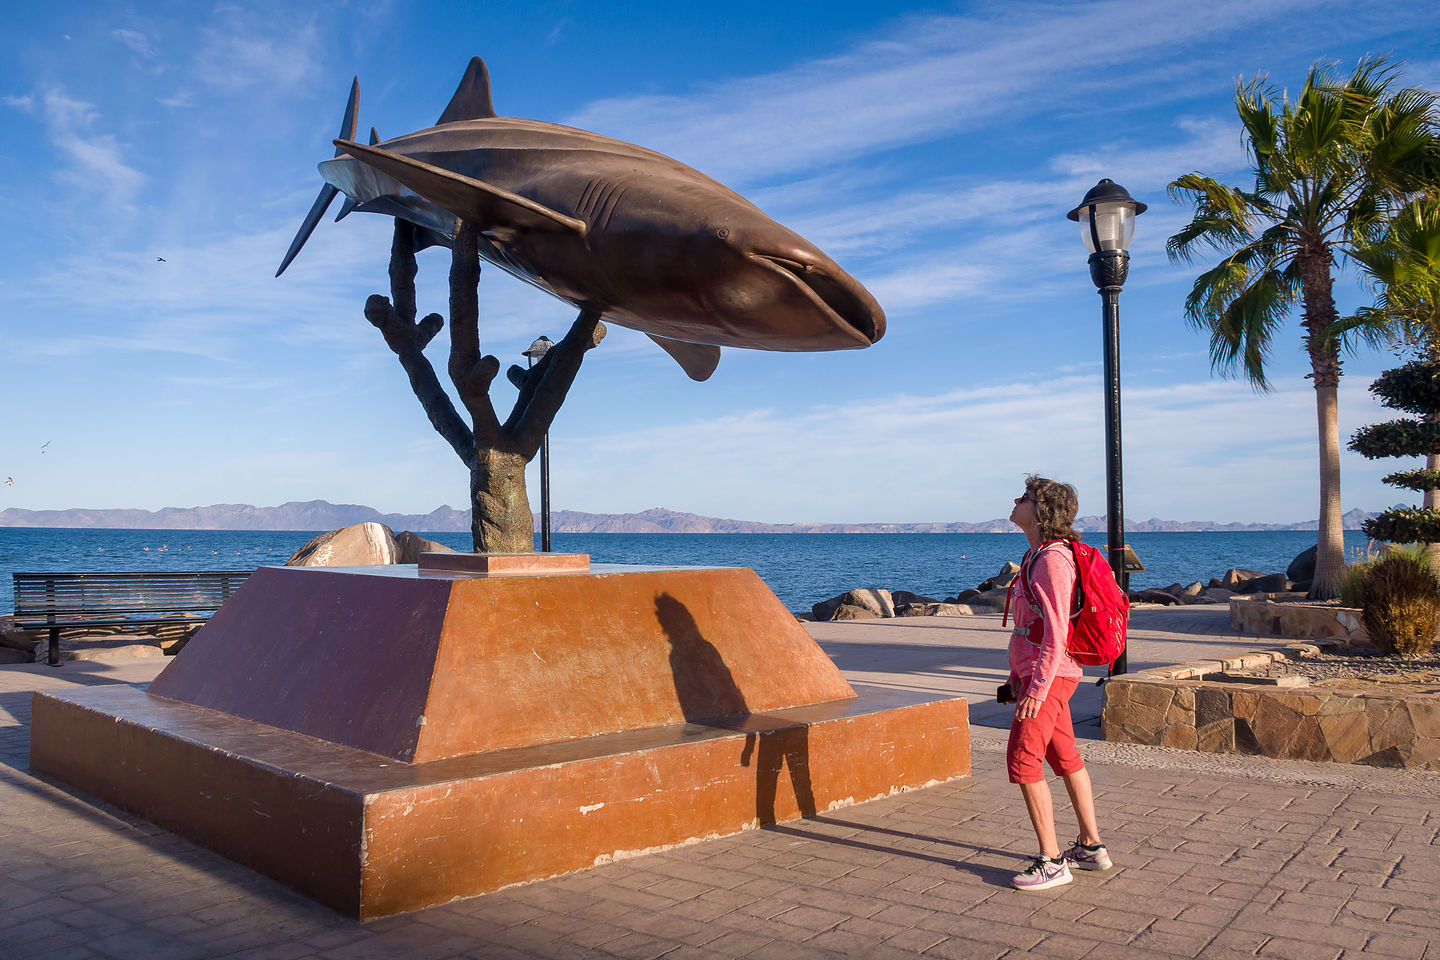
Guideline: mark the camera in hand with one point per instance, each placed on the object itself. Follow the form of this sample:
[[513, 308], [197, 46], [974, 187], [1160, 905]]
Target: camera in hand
[[1004, 693]]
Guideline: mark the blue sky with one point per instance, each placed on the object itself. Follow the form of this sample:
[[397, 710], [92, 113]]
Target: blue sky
[[932, 150]]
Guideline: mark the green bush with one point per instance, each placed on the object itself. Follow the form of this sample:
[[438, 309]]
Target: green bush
[[1352, 586], [1400, 603]]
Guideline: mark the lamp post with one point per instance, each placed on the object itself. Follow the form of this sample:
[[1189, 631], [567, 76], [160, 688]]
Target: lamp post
[[537, 350], [1107, 221]]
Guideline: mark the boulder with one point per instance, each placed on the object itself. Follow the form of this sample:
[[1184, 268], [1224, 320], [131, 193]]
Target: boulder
[[851, 611], [1191, 592], [362, 544], [1215, 595], [16, 639], [933, 609], [877, 601], [1234, 577], [965, 596], [1153, 596], [899, 597], [1007, 573], [989, 600], [1267, 583], [409, 545], [1303, 566]]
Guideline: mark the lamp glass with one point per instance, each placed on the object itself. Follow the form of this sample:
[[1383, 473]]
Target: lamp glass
[[1113, 222]]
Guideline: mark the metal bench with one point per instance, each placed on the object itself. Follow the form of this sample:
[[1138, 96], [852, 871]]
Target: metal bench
[[59, 601]]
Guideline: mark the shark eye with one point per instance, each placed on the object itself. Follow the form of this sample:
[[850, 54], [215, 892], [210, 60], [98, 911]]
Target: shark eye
[[723, 232]]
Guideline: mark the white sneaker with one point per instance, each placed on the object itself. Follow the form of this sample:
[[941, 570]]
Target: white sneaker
[[1042, 874]]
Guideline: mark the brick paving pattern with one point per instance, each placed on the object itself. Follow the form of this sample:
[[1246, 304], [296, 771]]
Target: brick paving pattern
[[1217, 857]]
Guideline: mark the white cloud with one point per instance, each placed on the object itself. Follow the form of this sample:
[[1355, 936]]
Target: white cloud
[[245, 50], [932, 77], [136, 41], [185, 98], [26, 103], [1204, 450], [96, 164]]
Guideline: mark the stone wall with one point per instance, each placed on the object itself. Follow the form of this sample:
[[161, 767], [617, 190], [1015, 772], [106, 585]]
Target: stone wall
[[1174, 707], [1303, 621]]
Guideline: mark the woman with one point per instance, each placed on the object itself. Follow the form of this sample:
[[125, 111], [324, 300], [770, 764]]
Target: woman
[[1042, 677]]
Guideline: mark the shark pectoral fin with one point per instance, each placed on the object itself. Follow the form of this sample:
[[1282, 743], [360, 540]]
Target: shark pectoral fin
[[327, 192], [698, 360], [472, 97], [317, 210], [481, 203]]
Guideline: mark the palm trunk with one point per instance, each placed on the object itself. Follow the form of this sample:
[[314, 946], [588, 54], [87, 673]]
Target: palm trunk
[[1330, 555], [1315, 283]]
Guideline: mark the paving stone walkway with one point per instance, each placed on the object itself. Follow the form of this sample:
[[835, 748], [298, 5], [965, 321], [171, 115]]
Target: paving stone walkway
[[1215, 857]]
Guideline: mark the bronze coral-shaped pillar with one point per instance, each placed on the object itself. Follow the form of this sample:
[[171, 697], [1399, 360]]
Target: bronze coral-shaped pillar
[[496, 453]]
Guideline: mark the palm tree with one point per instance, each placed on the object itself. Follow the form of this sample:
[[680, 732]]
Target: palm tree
[[1330, 167]]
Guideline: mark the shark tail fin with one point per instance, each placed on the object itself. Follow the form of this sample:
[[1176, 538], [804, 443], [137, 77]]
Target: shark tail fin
[[472, 97], [327, 192]]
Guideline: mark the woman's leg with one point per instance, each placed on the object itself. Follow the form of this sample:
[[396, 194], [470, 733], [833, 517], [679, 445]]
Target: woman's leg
[[1042, 815], [1082, 798], [1063, 756]]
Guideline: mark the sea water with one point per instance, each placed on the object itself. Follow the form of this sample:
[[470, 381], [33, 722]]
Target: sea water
[[802, 568]]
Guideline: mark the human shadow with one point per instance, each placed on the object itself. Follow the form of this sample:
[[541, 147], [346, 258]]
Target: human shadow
[[993, 875], [709, 695]]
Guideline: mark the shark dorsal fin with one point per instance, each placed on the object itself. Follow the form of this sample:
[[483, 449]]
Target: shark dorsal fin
[[472, 97]]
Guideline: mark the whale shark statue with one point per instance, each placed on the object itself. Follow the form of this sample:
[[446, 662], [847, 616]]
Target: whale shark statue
[[604, 225]]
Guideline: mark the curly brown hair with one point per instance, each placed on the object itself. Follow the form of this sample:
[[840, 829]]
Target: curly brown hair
[[1056, 504]]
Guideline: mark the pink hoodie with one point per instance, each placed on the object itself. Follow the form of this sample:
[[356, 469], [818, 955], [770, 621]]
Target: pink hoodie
[[1052, 583]]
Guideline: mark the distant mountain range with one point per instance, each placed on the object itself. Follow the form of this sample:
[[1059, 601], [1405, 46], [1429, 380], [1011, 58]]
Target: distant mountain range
[[321, 515]]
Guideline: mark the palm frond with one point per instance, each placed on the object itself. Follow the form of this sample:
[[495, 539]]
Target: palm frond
[[1221, 219], [1241, 336]]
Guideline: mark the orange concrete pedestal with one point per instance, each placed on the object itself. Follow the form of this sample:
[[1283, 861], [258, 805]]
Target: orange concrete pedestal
[[383, 740]]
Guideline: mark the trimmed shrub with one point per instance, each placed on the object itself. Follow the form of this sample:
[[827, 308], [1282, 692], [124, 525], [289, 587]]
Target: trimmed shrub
[[1400, 604], [1414, 388]]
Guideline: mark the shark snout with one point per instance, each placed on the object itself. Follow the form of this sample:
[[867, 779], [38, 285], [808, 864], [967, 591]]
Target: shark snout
[[849, 305]]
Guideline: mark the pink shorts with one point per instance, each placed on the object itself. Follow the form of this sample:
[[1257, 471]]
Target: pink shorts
[[1049, 735]]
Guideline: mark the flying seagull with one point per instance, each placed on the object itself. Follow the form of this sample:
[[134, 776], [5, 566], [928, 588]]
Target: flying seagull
[[45, 444], [160, 259], [603, 224], [9, 481]]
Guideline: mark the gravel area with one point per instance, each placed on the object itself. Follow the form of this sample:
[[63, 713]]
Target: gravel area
[[1366, 665]]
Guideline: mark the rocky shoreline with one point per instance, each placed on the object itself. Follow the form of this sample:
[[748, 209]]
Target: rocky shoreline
[[989, 595]]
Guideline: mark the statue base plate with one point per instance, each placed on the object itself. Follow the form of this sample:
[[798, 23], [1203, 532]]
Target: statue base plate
[[502, 564]]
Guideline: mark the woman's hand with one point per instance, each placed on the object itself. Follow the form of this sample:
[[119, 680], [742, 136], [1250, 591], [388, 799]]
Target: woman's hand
[[1027, 707]]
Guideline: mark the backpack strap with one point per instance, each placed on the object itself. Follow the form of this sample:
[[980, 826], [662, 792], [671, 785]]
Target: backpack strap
[[1023, 579]]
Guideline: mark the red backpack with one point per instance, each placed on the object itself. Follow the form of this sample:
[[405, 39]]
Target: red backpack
[[1101, 609]]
